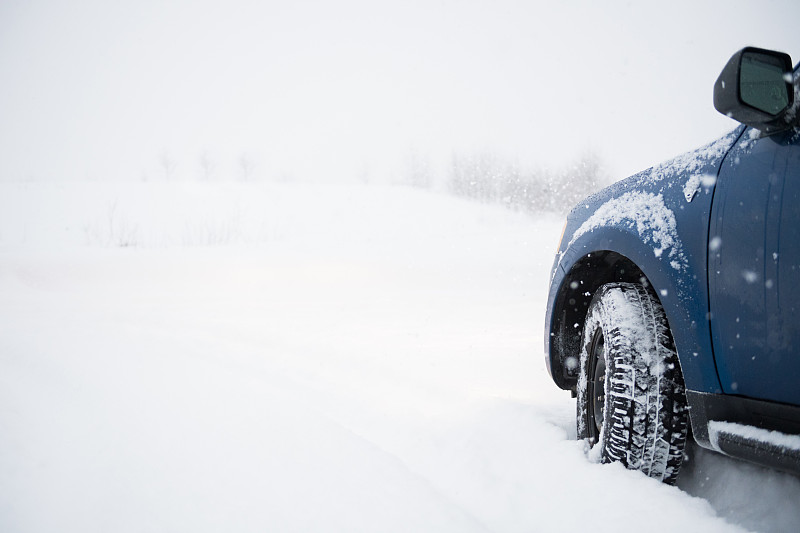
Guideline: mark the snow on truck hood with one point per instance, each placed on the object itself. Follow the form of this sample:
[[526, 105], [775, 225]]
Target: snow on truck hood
[[648, 215], [641, 207]]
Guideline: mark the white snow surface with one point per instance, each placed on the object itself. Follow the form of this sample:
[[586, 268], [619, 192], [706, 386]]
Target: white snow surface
[[278, 357], [645, 212]]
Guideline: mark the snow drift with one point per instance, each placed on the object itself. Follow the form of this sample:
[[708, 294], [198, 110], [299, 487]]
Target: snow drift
[[285, 357]]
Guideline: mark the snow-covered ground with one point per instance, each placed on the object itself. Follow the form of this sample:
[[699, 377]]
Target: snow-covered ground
[[286, 357]]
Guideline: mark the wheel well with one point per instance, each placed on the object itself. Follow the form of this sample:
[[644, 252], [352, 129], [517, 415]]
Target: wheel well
[[585, 277]]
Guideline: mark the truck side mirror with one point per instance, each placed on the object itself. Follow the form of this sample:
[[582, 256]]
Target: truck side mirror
[[755, 88]]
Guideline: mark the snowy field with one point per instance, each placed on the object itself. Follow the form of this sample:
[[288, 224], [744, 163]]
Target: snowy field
[[285, 357]]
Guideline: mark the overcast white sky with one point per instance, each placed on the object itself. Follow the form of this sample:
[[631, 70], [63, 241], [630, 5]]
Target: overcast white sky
[[329, 90]]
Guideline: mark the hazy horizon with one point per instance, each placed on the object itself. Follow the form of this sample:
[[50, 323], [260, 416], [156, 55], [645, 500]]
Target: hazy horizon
[[325, 92]]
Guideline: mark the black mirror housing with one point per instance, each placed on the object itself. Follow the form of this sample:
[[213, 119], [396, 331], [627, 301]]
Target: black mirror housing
[[755, 88]]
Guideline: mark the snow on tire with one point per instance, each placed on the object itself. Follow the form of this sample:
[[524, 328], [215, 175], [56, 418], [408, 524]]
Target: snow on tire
[[631, 399]]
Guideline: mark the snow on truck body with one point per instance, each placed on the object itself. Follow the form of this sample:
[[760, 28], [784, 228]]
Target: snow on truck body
[[711, 236]]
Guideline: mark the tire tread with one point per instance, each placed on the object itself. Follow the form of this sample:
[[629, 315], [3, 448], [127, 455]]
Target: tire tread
[[645, 421]]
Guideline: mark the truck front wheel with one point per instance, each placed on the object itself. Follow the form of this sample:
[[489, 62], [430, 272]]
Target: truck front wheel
[[631, 399]]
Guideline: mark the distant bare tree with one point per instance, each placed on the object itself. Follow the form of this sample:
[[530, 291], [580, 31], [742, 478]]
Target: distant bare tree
[[167, 164], [207, 165], [418, 171], [488, 179], [364, 174], [477, 176], [246, 165], [578, 180]]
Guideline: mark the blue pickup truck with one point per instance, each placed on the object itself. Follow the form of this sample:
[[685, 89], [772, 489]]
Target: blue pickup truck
[[674, 303]]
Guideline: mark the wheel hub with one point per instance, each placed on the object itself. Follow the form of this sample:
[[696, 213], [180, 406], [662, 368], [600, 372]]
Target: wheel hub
[[597, 390]]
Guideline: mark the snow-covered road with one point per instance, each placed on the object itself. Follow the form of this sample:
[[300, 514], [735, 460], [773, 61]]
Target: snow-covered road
[[304, 358]]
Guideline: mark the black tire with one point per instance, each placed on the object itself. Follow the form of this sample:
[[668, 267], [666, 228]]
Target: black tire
[[631, 397]]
